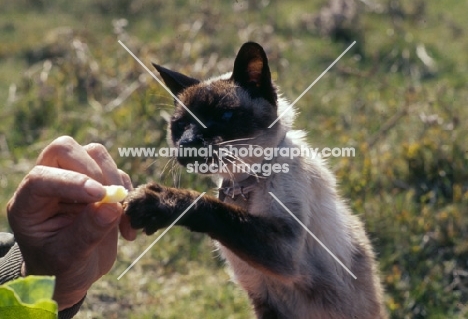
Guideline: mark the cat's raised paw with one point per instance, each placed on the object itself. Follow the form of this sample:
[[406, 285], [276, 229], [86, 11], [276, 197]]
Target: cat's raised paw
[[149, 207]]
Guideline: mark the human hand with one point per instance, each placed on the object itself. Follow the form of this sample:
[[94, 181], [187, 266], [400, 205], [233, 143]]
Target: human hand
[[58, 225]]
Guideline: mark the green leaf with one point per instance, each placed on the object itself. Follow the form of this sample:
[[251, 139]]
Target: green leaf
[[29, 297]]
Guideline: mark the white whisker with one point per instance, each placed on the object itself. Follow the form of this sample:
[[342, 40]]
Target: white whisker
[[235, 157], [236, 140], [231, 176], [165, 167], [249, 172]]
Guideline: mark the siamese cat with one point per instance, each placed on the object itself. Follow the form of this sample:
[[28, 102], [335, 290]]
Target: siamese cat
[[283, 269]]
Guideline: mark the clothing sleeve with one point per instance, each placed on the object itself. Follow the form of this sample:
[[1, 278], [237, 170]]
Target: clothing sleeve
[[11, 259], [11, 262]]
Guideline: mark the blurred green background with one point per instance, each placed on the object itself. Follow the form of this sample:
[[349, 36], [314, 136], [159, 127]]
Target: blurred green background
[[399, 97]]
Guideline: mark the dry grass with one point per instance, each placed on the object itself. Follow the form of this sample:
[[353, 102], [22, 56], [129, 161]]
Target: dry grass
[[405, 116]]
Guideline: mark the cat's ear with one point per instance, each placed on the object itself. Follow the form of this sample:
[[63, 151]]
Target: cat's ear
[[175, 81], [251, 72]]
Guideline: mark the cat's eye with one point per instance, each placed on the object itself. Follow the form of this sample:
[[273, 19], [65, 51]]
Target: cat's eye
[[227, 115]]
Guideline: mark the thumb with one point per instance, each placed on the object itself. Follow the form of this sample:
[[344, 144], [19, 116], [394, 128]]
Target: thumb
[[93, 224]]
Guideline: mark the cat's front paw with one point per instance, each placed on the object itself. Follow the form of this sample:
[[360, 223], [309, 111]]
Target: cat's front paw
[[149, 207]]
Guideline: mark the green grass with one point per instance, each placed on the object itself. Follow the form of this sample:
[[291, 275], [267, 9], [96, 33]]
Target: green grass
[[410, 186]]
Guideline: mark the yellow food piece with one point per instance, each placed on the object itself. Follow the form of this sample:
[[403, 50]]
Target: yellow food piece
[[114, 194]]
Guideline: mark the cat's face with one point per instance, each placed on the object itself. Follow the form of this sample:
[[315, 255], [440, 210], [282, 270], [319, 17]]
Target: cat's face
[[236, 108]]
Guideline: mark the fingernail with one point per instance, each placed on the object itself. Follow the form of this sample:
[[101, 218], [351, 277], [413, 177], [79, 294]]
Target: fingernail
[[107, 214], [94, 189]]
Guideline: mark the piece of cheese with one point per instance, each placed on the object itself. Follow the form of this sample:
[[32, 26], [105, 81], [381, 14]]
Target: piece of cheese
[[114, 194]]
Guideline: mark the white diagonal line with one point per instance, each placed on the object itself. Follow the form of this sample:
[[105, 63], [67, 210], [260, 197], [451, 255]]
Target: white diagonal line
[[162, 84], [159, 237], [313, 83], [312, 234]]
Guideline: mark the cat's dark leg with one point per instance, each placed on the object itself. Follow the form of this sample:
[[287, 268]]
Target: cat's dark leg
[[260, 241], [263, 309]]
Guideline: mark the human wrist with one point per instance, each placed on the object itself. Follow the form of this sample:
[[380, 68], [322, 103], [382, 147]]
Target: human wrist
[[65, 297], [68, 299]]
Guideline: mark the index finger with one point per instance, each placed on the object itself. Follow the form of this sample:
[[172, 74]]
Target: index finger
[[38, 197], [44, 184]]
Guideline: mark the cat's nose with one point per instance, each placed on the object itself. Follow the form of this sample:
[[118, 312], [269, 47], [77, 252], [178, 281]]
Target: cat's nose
[[190, 138]]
